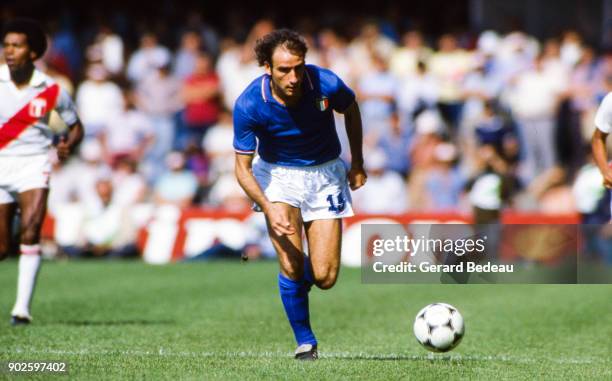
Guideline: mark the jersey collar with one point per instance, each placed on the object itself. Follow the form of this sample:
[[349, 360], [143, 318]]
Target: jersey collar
[[266, 91], [38, 79], [5, 76]]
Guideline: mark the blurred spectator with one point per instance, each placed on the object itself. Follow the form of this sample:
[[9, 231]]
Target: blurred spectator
[[553, 65], [147, 59], [396, 147], [75, 180], [593, 203], [198, 163], [107, 229], [386, 192], [552, 193], [237, 66], [571, 49], [200, 94], [177, 186], [186, 56], [583, 83], [218, 145], [376, 91], [369, 44], [64, 51], [158, 96], [429, 129], [491, 187], [449, 65], [128, 133], [129, 186], [492, 129], [107, 49], [479, 87], [534, 101], [415, 93], [515, 54], [405, 59], [227, 195], [98, 99], [443, 183], [334, 55]]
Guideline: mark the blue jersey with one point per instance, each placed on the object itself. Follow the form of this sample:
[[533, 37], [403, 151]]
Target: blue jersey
[[300, 135]]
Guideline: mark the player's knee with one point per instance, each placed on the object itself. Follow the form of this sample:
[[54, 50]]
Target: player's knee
[[326, 279]]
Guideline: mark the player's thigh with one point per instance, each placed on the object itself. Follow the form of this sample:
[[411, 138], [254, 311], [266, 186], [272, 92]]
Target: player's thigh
[[324, 246], [7, 211], [289, 247], [33, 205]]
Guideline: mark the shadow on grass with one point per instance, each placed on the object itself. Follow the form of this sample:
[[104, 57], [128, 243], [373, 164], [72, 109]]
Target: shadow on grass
[[82, 323]]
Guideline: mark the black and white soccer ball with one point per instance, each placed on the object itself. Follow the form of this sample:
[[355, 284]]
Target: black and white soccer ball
[[439, 327]]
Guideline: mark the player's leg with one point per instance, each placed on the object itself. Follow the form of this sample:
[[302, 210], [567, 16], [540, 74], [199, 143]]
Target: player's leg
[[7, 211], [33, 205], [294, 283], [324, 245], [328, 202]]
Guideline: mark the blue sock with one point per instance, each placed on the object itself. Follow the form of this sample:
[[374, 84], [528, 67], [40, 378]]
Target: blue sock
[[294, 295], [308, 275]]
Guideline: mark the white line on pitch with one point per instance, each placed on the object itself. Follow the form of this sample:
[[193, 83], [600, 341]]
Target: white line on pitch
[[327, 355]]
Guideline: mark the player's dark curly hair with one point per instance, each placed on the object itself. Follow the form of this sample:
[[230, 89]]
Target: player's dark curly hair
[[37, 41], [264, 47]]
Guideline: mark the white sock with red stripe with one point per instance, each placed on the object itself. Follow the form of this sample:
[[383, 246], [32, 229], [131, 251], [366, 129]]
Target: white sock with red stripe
[[29, 263]]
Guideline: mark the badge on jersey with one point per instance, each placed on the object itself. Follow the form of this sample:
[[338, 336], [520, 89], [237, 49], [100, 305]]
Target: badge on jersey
[[322, 103], [37, 107]]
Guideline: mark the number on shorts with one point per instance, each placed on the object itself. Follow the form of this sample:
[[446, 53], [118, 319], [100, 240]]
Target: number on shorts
[[338, 205]]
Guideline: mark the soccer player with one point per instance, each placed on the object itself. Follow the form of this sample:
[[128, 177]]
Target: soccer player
[[603, 122], [27, 98], [298, 179]]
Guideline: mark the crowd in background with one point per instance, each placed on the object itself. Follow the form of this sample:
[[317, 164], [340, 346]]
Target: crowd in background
[[453, 122]]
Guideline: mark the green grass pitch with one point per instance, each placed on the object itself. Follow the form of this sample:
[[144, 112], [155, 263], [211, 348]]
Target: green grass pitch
[[128, 320]]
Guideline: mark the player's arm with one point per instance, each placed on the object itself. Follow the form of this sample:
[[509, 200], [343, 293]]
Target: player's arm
[[352, 121], [598, 147], [244, 174], [70, 141]]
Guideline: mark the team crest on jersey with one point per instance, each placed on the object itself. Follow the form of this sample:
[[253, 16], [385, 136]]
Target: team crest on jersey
[[37, 107], [322, 103]]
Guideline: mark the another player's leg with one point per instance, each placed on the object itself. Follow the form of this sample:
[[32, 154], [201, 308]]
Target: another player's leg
[[33, 207], [294, 283], [324, 245]]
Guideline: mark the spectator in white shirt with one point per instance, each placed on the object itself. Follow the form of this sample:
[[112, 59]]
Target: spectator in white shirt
[[98, 99]]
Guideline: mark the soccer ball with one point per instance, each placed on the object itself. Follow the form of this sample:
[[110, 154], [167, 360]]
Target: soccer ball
[[439, 327]]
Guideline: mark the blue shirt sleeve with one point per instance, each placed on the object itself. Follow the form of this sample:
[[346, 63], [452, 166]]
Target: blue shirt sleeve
[[340, 95], [244, 131]]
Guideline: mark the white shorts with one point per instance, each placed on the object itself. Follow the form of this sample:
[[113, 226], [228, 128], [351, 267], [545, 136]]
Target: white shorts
[[22, 173], [320, 191]]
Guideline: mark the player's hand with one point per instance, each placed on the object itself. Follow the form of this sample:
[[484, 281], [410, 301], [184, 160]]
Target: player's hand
[[63, 149], [357, 177], [279, 220]]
